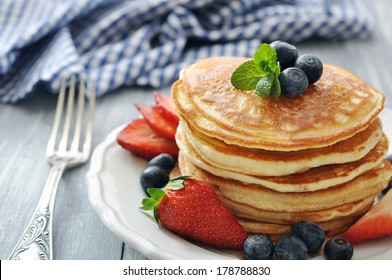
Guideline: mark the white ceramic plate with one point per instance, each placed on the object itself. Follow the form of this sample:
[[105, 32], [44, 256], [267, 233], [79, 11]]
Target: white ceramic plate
[[115, 194]]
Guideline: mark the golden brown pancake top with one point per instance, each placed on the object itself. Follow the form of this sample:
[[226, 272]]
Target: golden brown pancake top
[[335, 108]]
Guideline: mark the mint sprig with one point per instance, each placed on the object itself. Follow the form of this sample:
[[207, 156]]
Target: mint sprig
[[260, 74], [247, 75]]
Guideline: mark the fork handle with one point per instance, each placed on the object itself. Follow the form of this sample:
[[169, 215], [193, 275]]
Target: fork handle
[[36, 241]]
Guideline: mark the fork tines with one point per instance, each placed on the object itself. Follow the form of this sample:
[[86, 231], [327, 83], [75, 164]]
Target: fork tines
[[76, 121]]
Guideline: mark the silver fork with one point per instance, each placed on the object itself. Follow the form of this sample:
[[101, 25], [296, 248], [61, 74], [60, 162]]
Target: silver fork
[[36, 241]]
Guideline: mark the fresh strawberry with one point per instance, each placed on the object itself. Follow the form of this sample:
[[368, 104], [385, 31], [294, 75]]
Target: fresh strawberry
[[166, 107], [157, 121], [191, 208], [376, 223], [142, 141]]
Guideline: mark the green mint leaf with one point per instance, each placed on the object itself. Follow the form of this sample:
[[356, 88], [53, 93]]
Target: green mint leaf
[[247, 75], [260, 74], [264, 65], [275, 88], [263, 87], [266, 58], [277, 70]]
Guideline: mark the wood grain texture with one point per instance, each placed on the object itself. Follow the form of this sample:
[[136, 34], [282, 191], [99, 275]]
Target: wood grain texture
[[78, 231]]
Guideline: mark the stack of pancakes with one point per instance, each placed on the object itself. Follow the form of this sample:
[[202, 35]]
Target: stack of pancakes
[[276, 161]]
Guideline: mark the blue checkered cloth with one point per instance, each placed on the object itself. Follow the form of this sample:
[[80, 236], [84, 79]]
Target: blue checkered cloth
[[146, 42]]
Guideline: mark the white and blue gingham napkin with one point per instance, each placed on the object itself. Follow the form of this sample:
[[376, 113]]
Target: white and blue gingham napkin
[[147, 42]]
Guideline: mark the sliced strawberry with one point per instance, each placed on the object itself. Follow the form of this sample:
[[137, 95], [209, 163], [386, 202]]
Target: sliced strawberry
[[376, 223], [142, 141], [191, 209], [166, 106], [157, 121]]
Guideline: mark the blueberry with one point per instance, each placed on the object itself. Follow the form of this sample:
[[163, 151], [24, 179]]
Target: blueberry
[[311, 65], [338, 249], [258, 247], [164, 161], [286, 54], [290, 247], [311, 234], [293, 82], [153, 177]]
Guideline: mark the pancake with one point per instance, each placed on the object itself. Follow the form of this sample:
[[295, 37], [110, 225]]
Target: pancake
[[283, 217], [276, 163], [276, 231], [367, 184], [351, 209], [311, 180], [271, 228], [324, 115], [333, 220]]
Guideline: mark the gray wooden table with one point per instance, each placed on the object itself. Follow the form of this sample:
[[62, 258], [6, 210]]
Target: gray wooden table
[[78, 232]]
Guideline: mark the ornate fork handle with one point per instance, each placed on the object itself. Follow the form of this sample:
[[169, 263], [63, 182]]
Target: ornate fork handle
[[36, 241]]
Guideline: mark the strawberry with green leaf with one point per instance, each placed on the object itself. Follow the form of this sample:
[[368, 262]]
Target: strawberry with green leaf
[[191, 209]]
